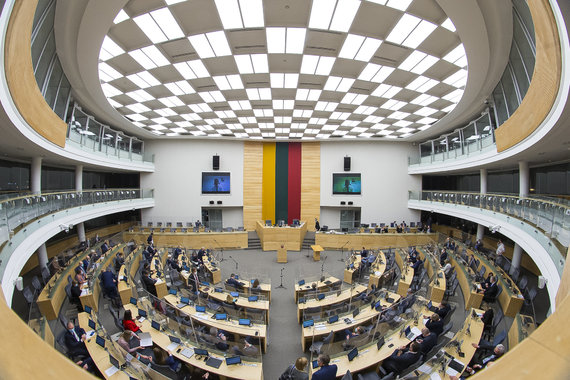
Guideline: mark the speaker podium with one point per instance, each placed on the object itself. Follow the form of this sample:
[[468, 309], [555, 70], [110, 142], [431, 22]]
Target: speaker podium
[[282, 254]]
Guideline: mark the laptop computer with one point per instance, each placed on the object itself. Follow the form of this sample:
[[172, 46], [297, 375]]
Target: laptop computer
[[172, 291], [146, 340], [244, 322], [355, 313], [233, 360], [252, 298], [308, 323], [412, 333], [302, 300], [92, 324], [302, 282], [134, 301], [221, 316], [200, 309], [213, 362], [352, 354], [187, 352], [380, 342], [200, 351], [174, 339], [114, 361], [142, 313], [320, 296], [88, 309], [234, 294], [218, 290], [333, 319], [100, 341], [315, 364]]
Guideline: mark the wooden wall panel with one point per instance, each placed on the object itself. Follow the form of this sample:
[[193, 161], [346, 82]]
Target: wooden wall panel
[[20, 76], [545, 81], [252, 183], [310, 183]]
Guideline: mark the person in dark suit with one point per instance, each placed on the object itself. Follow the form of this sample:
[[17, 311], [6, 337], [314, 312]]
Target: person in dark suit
[[193, 280], [149, 283], [233, 282], [150, 239], [201, 254], [417, 265], [119, 261], [105, 247], [75, 294], [326, 371], [443, 309], [317, 225], [109, 283], [487, 317], [363, 253], [402, 358], [435, 324], [74, 339], [148, 253], [490, 293], [427, 340], [177, 252], [443, 257]]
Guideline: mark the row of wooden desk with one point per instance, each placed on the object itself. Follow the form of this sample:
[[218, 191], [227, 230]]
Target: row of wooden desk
[[272, 238], [371, 240], [192, 240], [331, 299]]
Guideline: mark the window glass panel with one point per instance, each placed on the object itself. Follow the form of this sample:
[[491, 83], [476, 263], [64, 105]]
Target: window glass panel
[[510, 92], [500, 106], [45, 60], [62, 99], [14, 176], [526, 50], [521, 8], [45, 31], [519, 70], [53, 84], [40, 9]]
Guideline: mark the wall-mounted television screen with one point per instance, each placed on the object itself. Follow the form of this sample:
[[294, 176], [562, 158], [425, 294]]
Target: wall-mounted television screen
[[346, 183], [215, 183]]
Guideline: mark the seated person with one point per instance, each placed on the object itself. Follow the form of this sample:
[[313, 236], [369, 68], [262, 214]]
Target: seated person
[[385, 230], [255, 287], [109, 283], [447, 270], [219, 338], [75, 294], [149, 253], [149, 282], [80, 276], [119, 261], [129, 323], [201, 254], [74, 339], [413, 255], [177, 252], [427, 340], [124, 342], [163, 358], [487, 317], [478, 245], [356, 332], [233, 282], [87, 364], [248, 349], [230, 302], [443, 257], [173, 263], [475, 366], [491, 291], [194, 259], [105, 247], [297, 371], [443, 309], [402, 358], [435, 324], [326, 371], [363, 253]]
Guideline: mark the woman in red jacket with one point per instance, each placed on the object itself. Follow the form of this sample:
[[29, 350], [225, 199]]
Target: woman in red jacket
[[129, 323]]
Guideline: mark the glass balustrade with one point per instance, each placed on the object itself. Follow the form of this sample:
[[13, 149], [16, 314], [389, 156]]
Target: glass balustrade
[[17, 211], [550, 216]]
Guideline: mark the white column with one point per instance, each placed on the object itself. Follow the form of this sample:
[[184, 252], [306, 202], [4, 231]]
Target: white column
[[42, 256], [482, 190], [523, 178], [79, 187], [79, 178], [517, 256], [483, 175], [36, 175]]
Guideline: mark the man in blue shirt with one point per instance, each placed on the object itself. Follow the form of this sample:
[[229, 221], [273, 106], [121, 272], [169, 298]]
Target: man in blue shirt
[[326, 371]]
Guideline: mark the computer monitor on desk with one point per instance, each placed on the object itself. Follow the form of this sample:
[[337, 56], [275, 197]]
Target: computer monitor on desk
[[268, 222], [281, 223]]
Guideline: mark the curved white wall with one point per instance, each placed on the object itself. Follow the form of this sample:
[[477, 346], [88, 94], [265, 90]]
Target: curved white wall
[[48, 226], [521, 236]]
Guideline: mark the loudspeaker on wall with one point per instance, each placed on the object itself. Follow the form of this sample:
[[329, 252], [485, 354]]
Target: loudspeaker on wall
[[347, 164], [216, 162]]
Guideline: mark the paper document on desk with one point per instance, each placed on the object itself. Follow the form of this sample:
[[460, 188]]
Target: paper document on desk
[[320, 327], [425, 368], [377, 273], [90, 334], [201, 316], [172, 346], [435, 376], [158, 281], [85, 292], [451, 372], [141, 319], [425, 320], [111, 371], [188, 352], [146, 340]]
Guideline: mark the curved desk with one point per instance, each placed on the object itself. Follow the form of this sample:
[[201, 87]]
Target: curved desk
[[330, 300], [406, 274], [192, 240], [255, 331], [247, 371], [273, 237], [438, 285], [377, 269], [320, 286], [241, 302], [470, 296]]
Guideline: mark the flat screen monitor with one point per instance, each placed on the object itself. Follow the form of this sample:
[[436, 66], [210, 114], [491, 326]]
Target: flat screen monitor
[[380, 342], [172, 291], [88, 309], [352, 354], [155, 325], [185, 300], [215, 182], [315, 364], [268, 222], [333, 319], [218, 290], [320, 296], [234, 294], [346, 183], [221, 316], [100, 341], [233, 360], [142, 313], [244, 322], [200, 309], [355, 313], [91, 324], [302, 282], [114, 361], [252, 298], [174, 339], [134, 301]]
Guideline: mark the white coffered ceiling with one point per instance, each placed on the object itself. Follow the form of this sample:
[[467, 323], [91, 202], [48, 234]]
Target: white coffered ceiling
[[252, 69]]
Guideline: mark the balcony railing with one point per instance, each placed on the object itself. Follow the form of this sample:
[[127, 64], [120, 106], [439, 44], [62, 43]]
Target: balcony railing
[[17, 211], [552, 215]]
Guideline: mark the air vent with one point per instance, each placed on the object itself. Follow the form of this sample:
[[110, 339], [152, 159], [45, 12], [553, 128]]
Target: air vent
[[257, 84], [182, 55], [250, 47], [206, 87], [248, 30], [321, 48], [309, 84]]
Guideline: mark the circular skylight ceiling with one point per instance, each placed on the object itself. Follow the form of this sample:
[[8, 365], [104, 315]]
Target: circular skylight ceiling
[[283, 69]]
